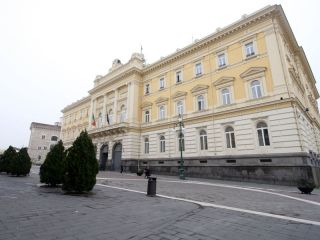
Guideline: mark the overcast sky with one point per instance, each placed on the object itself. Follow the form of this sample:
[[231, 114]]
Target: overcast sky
[[51, 51]]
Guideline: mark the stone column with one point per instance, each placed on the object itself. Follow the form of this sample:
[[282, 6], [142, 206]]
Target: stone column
[[115, 106], [90, 113], [129, 102], [104, 110]]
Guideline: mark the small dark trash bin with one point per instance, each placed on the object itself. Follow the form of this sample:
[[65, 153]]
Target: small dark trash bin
[[152, 186]]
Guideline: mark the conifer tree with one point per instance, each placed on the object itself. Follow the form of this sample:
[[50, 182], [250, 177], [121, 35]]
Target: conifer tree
[[24, 162], [9, 157], [53, 169], [81, 165], [1, 163]]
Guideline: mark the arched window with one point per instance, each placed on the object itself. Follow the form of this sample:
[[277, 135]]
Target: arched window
[[181, 141], [162, 144], [256, 89], [226, 99], [100, 120], [231, 141], [54, 138], [263, 135], [123, 113], [179, 108], [161, 113], [147, 116], [110, 117], [200, 102], [203, 140], [146, 145]]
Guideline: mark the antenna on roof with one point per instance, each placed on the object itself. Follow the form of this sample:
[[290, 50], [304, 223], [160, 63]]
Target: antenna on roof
[[141, 50]]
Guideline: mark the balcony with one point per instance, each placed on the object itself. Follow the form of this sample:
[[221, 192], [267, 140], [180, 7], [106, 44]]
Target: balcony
[[108, 130]]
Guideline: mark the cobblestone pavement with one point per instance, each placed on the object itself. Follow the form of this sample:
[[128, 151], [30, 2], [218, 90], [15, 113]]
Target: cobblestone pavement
[[28, 211]]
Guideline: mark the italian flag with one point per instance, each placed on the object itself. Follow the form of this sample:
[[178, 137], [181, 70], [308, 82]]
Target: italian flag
[[93, 123]]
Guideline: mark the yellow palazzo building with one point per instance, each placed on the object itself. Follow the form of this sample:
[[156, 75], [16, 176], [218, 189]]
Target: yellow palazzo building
[[246, 95]]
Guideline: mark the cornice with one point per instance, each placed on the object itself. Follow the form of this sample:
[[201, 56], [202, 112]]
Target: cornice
[[45, 126], [77, 103], [129, 72], [289, 36], [217, 36]]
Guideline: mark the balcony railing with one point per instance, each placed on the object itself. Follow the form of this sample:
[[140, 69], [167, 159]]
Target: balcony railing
[[108, 129]]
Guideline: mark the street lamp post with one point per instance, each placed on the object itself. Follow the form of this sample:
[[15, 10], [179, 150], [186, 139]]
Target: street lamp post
[[181, 145]]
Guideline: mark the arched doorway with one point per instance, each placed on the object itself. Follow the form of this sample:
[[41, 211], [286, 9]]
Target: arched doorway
[[116, 156], [103, 157]]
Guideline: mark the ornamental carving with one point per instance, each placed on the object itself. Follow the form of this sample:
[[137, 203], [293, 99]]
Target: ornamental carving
[[253, 71], [199, 87], [223, 80], [146, 104], [179, 94], [162, 99]]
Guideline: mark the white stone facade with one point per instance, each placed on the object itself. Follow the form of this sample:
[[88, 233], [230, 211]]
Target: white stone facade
[[42, 138], [266, 127]]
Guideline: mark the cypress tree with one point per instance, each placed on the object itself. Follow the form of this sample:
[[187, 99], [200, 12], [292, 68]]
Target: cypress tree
[[9, 159], [24, 162], [81, 165], [1, 163], [53, 169]]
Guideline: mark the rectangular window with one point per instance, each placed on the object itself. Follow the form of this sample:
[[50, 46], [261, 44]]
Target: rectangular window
[[147, 89], [162, 145], [249, 49], [203, 143], [43, 137], [222, 60], [231, 161], [161, 113], [266, 137], [265, 160], [178, 76], [39, 148], [226, 96], [146, 147], [44, 148], [198, 69], [147, 116], [161, 83], [260, 137]]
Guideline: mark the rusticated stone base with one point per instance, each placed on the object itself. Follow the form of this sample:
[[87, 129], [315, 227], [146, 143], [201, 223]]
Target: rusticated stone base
[[276, 169]]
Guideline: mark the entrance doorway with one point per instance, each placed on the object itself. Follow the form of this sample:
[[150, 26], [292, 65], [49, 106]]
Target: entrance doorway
[[116, 156], [103, 157]]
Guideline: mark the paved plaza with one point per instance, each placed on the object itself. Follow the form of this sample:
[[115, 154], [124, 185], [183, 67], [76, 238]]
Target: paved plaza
[[118, 208]]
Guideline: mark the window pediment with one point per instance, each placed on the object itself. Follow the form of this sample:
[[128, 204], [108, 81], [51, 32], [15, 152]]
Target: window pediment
[[223, 80], [161, 99], [253, 71], [146, 104], [179, 94], [199, 87]]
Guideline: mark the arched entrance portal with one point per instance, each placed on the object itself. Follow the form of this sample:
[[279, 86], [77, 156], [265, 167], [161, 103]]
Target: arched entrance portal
[[116, 156], [103, 157]]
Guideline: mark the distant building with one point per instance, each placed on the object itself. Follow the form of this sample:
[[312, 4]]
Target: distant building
[[42, 138]]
